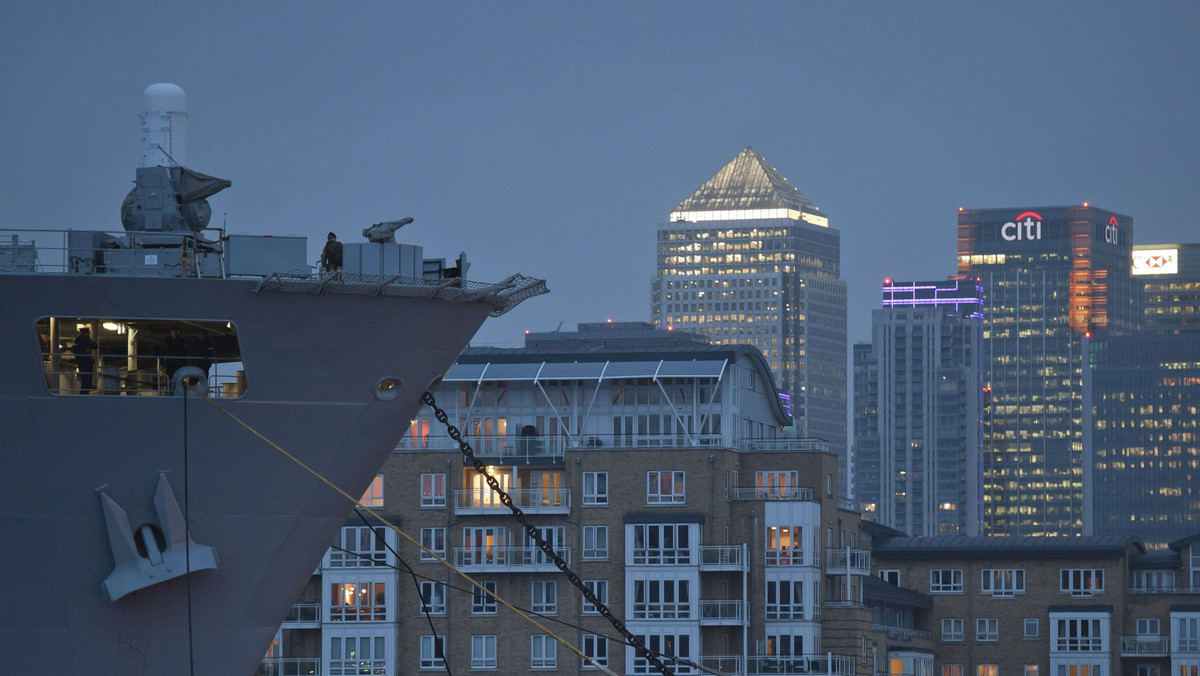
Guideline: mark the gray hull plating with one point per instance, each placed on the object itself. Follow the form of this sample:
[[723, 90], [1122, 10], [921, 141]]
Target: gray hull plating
[[312, 363]]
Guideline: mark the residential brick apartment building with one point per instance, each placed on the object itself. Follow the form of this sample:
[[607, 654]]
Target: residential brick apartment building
[[1051, 606], [663, 474]]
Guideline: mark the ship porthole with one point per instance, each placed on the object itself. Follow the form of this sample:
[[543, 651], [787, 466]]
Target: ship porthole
[[388, 389]]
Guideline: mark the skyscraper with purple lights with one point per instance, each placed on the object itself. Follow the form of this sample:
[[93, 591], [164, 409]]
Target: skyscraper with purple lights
[[918, 395]]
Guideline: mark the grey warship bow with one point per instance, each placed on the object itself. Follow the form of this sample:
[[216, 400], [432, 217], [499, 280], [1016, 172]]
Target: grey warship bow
[[145, 531]]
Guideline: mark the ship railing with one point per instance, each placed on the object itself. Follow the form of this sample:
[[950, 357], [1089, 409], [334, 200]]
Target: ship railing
[[113, 252], [111, 374], [289, 666], [781, 493]]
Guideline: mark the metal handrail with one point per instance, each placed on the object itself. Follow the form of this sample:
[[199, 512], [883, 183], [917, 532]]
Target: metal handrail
[[109, 378], [720, 555], [725, 609], [507, 556], [525, 498], [781, 493], [1145, 645], [854, 559], [304, 612], [289, 666], [103, 251]]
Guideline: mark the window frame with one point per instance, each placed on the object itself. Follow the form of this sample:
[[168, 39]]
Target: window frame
[[1031, 622], [599, 588], [949, 635], [481, 603], [484, 661], [595, 552], [1012, 582], [429, 649], [1081, 581], [541, 657], [433, 490], [940, 586], [592, 495], [592, 645], [373, 496], [677, 483], [429, 539], [543, 596], [987, 629], [431, 590]]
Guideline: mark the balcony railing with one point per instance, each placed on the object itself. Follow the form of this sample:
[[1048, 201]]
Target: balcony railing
[[724, 612], [289, 666], [1164, 590], [900, 632], [791, 557], [780, 493], [623, 441], [853, 561], [304, 613], [530, 500], [786, 445], [509, 449], [721, 557], [838, 665], [497, 559], [1145, 646], [847, 505]]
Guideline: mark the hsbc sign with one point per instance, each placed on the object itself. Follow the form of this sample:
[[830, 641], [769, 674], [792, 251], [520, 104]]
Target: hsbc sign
[[1025, 226], [1155, 262]]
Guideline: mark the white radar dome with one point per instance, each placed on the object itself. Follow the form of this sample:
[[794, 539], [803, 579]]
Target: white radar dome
[[165, 97]]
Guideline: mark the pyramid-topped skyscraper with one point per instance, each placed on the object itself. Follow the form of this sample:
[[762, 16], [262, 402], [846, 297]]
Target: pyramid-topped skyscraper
[[748, 259]]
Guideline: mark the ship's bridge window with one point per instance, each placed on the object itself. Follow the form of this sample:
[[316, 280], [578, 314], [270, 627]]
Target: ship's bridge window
[[140, 357]]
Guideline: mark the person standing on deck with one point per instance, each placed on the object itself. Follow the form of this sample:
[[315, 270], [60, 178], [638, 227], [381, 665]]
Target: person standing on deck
[[82, 348]]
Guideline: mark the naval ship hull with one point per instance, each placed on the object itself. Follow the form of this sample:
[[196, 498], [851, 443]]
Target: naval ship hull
[[312, 364]]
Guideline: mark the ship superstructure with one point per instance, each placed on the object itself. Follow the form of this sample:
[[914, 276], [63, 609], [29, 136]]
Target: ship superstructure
[[147, 532]]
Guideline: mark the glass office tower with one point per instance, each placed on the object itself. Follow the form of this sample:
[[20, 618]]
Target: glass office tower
[[1051, 277], [748, 259], [1145, 387], [917, 436]]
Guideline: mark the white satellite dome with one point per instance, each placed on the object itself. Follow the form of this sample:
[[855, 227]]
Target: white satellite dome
[[164, 97]]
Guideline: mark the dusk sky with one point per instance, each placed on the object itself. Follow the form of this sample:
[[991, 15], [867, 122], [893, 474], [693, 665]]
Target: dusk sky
[[552, 138]]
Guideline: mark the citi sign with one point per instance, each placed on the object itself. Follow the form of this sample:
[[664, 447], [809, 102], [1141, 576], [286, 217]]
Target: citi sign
[[1025, 226], [1110, 231]]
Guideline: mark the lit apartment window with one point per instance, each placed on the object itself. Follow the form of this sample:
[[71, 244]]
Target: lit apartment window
[[785, 546], [987, 670], [357, 602], [987, 629], [1081, 581], [661, 599], [544, 596], [600, 589], [433, 652], [433, 539], [433, 490], [665, 488], [484, 603], [661, 544], [785, 600], [1078, 635], [350, 654], [358, 547], [1002, 581], [775, 484], [543, 652], [595, 542], [946, 581], [1031, 627], [483, 652], [484, 545], [433, 598], [595, 488], [1031, 670], [952, 629], [952, 670], [595, 647], [373, 497]]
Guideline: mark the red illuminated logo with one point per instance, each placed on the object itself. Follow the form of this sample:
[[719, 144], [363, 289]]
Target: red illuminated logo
[[1027, 225]]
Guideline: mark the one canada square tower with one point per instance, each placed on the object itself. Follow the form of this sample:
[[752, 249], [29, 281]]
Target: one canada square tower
[[748, 259]]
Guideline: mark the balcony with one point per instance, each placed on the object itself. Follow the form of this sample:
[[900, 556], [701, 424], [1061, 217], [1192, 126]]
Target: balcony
[[289, 666], [722, 613], [791, 557], [303, 616], [497, 449], [847, 505], [852, 561], [722, 557], [773, 493], [893, 631], [1145, 646], [635, 441], [837, 665], [1164, 590], [508, 559], [530, 500], [786, 445]]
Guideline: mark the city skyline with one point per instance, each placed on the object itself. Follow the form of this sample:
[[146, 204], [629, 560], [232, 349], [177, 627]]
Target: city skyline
[[501, 129]]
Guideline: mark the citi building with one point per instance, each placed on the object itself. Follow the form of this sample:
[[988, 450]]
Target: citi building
[[1052, 278]]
